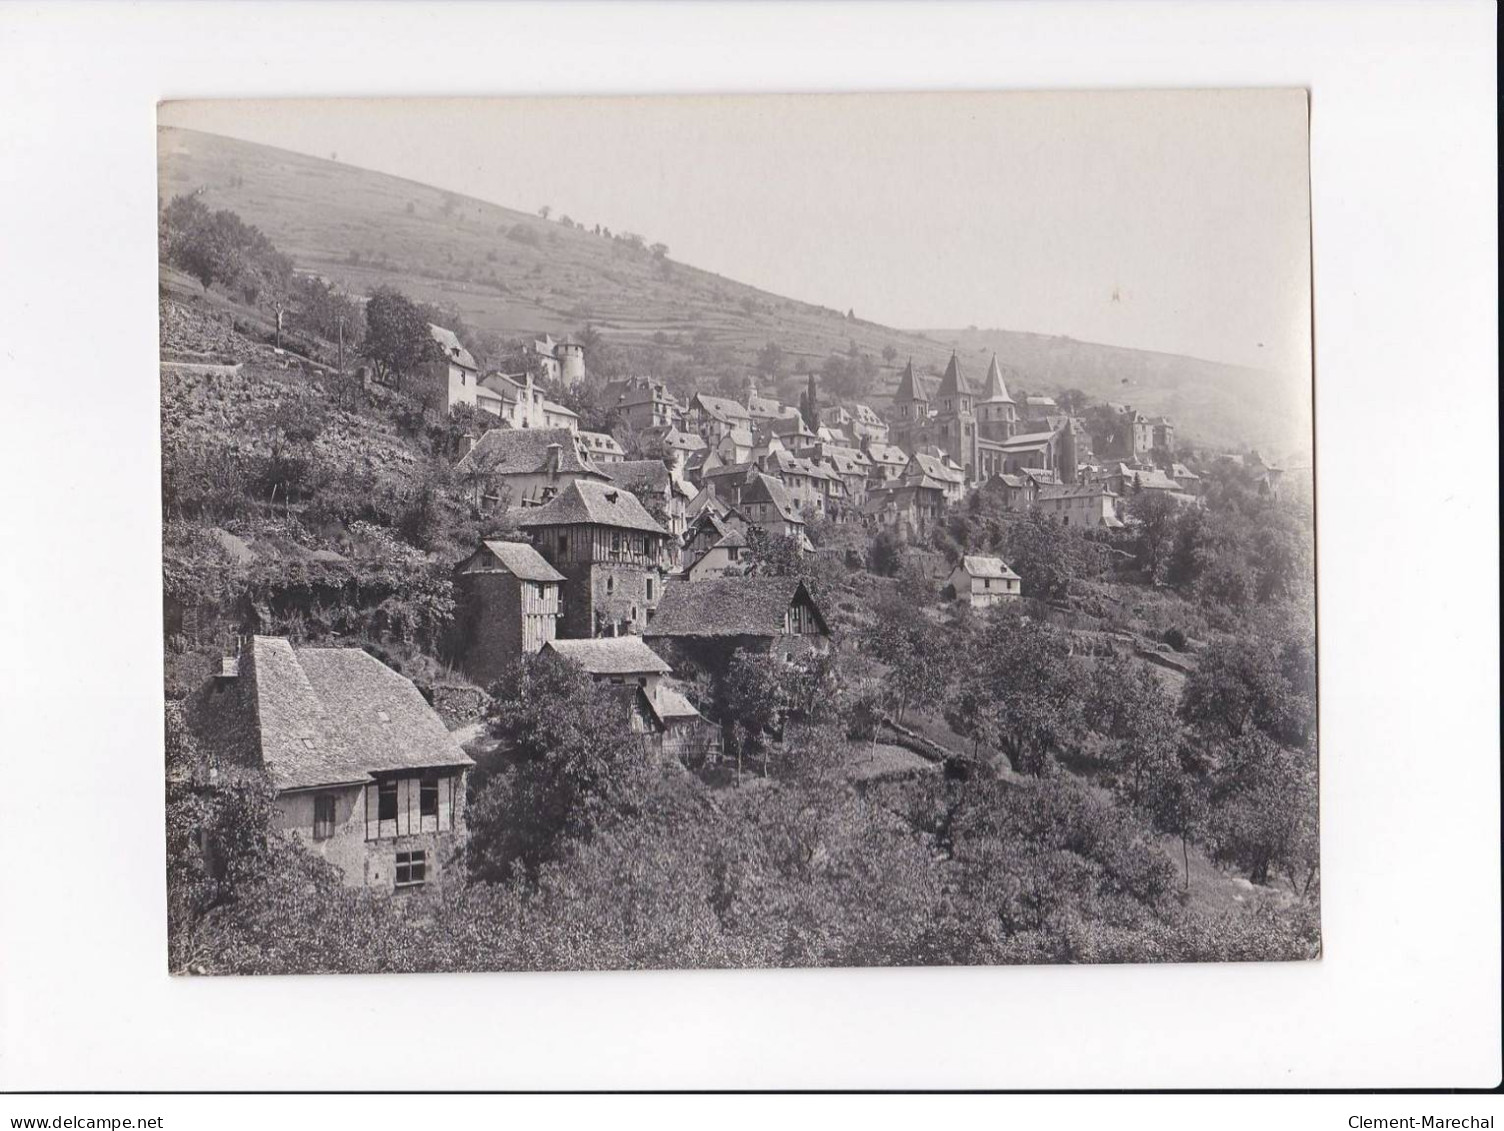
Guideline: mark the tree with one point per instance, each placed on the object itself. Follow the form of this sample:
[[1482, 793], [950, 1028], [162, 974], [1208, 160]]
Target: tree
[[1023, 669], [771, 555], [890, 353], [1157, 515], [397, 337], [1049, 557], [545, 211], [809, 405], [659, 250], [565, 766], [1247, 683], [770, 361]]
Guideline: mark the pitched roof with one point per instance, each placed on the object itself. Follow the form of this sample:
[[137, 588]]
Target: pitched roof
[[521, 451], [1040, 402], [728, 606], [559, 410], [611, 655], [637, 474], [671, 703], [1027, 440], [789, 426], [454, 352], [598, 504], [907, 390], [765, 407], [994, 391], [333, 716], [1075, 491], [687, 441], [953, 382], [760, 488], [722, 408], [887, 453], [933, 467], [522, 561], [978, 565]]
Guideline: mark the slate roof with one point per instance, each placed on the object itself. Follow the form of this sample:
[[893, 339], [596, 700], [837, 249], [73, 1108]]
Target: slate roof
[[336, 716], [766, 408], [522, 451], [953, 382], [453, 351], [684, 441], [887, 453], [600, 442], [978, 565], [933, 467], [907, 390], [672, 704], [722, 408], [760, 488], [636, 474], [1027, 440], [994, 391], [728, 606], [1040, 402], [789, 426], [522, 561], [598, 504], [611, 655], [1075, 491]]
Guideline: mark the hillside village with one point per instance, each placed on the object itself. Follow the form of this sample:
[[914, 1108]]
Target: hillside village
[[464, 634]]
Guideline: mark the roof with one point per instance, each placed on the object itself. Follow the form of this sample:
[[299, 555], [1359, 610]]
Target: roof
[[672, 704], [907, 390], [739, 436], [766, 407], [1040, 402], [1075, 491], [334, 716], [600, 441], [611, 655], [789, 426], [453, 351], [522, 561], [953, 382], [761, 488], [886, 453], [728, 606], [721, 408], [993, 389], [635, 474], [932, 467], [688, 441], [1027, 440], [1181, 471], [559, 410], [597, 504], [521, 451], [977, 565], [1155, 480]]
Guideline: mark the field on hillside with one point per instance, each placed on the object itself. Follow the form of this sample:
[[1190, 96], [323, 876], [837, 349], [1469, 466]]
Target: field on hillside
[[512, 273]]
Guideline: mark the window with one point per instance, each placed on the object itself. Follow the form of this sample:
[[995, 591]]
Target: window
[[386, 801], [412, 869], [563, 543], [428, 796], [610, 584], [616, 541], [323, 816], [650, 589]]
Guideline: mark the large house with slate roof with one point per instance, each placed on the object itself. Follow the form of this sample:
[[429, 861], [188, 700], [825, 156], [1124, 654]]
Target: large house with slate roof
[[612, 553], [703, 623], [524, 467], [365, 773]]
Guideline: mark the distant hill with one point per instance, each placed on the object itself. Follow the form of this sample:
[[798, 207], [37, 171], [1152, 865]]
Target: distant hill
[[513, 273]]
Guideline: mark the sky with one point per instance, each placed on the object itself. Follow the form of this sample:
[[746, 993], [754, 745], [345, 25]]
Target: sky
[[1173, 221]]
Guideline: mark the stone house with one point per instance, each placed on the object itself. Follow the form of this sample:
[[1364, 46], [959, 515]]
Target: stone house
[[510, 601], [559, 361], [642, 403], [612, 553], [1087, 504], [602, 447], [983, 581], [662, 493], [450, 377], [520, 402], [366, 775], [712, 417], [703, 623], [889, 462], [525, 467], [725, 557]]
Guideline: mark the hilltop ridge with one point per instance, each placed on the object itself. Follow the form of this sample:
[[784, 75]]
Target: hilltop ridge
[[510, 272]]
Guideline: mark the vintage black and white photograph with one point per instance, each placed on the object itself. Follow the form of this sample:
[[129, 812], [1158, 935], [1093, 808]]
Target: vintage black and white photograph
[[755, 531]]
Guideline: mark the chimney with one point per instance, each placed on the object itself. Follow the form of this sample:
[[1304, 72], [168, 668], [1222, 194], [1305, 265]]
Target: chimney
[[555, 456]]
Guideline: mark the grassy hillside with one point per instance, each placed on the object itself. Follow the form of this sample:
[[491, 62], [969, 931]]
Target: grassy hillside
[[511, 273]]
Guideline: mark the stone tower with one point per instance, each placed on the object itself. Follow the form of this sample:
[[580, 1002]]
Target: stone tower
[[910, 404], [997, 414], [571, 357], [956, 420]]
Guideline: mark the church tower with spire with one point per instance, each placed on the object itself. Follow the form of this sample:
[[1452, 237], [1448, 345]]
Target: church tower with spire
[[910, 404], [997, 414], [956, 420]]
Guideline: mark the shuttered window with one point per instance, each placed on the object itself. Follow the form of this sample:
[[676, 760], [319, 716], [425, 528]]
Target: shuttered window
[[323, 816]]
